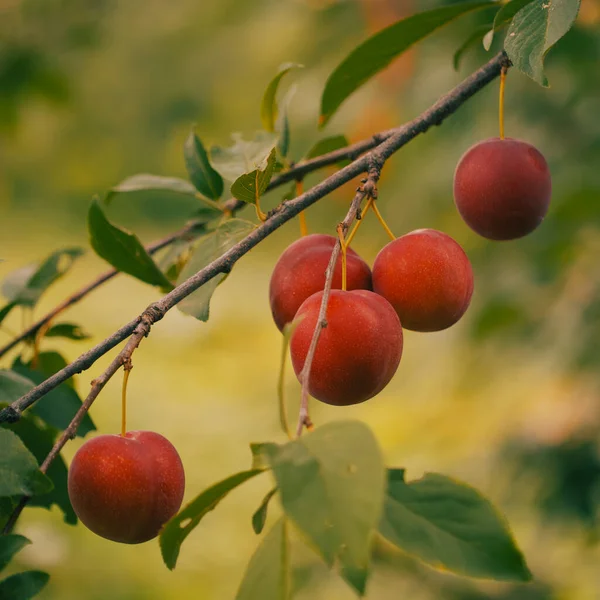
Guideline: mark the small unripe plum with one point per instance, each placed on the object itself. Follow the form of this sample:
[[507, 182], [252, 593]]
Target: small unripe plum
[[359, 350], [426, 276], [300, 272], [125, 488], [502, 188]]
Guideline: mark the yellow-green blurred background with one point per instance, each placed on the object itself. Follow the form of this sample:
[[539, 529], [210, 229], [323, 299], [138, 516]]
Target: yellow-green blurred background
[[508, 400]]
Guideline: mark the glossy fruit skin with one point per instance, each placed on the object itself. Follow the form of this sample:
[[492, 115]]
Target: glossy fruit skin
[[427, 277], [502, 188], [359, 350], [126, 488], [300, 272]]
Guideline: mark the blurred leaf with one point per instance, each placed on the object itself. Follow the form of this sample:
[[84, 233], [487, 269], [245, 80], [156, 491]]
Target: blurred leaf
[[332, 484], [172, 263], [9, 546], [13, 386], [122, 249], [269, 110], [7, 506], [181, 525], [23, 586], [283, 126], [244, 156], [260, 460], [449, 524], [503, 17], [268, 573], [251, 186], [19, 472], [71, 331], [57, 407], [497, 316], [26, 285], [259, 518], [152, 183], [329, 144], [381, 49], [210, 248], [534, 30], [468, 43], [4, 311], [202, 175]]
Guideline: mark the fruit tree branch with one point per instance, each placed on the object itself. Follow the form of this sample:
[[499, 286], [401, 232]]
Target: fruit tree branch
[[286, 211]]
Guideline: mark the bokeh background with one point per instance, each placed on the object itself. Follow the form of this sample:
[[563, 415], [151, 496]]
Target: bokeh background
[[92, 91]]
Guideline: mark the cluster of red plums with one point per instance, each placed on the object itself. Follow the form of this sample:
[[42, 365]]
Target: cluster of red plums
[[422, 281], [125, 488]]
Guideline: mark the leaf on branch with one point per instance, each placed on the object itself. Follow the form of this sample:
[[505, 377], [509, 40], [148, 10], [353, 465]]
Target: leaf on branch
[[503, 17], [181, 525], [202, 175], [70, 331], [468, 43], [283, 126], [23, 586], [251, 186], [19, 472], [9, 546], [26, 285], [381, 49], [330, 144], [243, 156], [143, 182], [210, 247], [122, 249], [269, 110], [259, 518], [534, 30], [449, 524], [6, 309], [268, 573], [332, 483]]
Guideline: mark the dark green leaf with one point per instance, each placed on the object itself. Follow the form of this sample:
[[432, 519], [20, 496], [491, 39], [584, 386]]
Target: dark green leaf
[[468, 43], [534, 30], [176, 258], [181, 525], [26, 285], [251, 186], [502, 18], [9, 546], [329, 144], [283, 126], [13, 386], [209, 248], [259, 518], [268, 109], [7, 506], [268, 573], [381, 49], [152, 183], [449, 524], [332, 484], [19, 472], [70, 331], [23, 586], [202, 175], [6, 309], [244, 156], [122, 249]]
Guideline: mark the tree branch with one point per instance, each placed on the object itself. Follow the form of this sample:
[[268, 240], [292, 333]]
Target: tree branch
[[286, 211]]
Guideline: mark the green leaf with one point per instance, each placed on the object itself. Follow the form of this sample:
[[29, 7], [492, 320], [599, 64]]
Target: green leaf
[[144, 182], [7, 505], [71, 331], [9, 546], [172, 263], [449, 524], [208, 249], [259, 518], [23, 586], [283, 126], [268, 109], [6, 309], [268, 573], [26, 285], [251, 186], [202, 175], [534, 30], [332, 484], [181, 525], [502, 18], [122, 249], [468, 43], [381, 49], [329, 144], [19, 472], [243, 156]]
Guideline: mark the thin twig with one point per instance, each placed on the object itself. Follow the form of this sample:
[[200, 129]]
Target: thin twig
[[286, 211]]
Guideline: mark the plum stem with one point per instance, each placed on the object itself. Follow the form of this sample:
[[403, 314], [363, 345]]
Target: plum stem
[[383, 223], [343, 248], [359, 221], [283, 419]]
